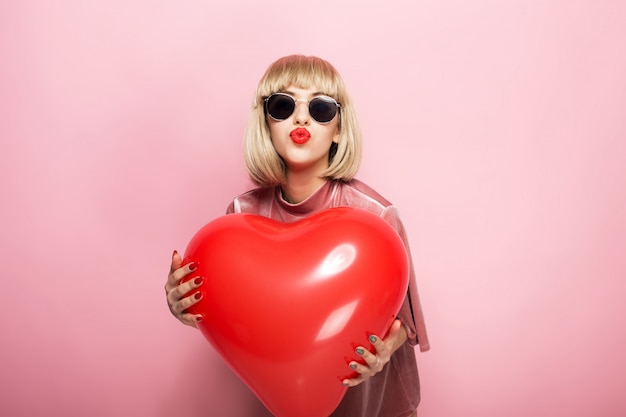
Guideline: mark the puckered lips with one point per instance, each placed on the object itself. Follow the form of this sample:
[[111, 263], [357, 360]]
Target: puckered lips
[[300, 135]]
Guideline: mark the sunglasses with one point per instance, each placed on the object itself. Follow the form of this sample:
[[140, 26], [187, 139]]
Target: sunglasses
[[322, 109]]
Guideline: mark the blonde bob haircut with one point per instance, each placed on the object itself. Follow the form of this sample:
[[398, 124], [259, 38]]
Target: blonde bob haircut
[[265, 166]]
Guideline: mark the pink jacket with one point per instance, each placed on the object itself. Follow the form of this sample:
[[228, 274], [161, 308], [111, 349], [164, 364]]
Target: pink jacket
[[393, 392]]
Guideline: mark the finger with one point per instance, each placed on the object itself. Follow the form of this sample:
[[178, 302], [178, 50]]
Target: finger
[[361, 369], [174, 277], [177, 293], [178, 307], [177, 261], [191, 319], [179, 310], [371, 360], [394, 331], [383, 346], [353, 382], [380, 345]]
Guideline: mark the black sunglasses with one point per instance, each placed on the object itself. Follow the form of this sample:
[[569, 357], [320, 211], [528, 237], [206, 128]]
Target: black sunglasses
[[280, 106]]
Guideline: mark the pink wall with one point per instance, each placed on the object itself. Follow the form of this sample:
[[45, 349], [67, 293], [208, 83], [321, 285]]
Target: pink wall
[[497, 127]]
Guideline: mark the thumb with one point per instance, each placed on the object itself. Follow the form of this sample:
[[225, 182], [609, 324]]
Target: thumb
[[394, 329], [177, 261]]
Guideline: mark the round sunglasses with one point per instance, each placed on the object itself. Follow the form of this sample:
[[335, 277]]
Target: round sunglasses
[[322, 109]]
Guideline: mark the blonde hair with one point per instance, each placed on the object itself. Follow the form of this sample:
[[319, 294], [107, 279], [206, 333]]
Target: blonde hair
[[265, 166]]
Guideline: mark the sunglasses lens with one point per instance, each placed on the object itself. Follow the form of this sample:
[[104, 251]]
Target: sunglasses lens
[[280, 107], [323, 109]]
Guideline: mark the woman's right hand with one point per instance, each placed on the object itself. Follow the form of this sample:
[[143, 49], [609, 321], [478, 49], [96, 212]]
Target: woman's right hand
[[175, 292]]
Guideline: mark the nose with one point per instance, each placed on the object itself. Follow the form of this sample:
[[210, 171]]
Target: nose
[[301, 114]]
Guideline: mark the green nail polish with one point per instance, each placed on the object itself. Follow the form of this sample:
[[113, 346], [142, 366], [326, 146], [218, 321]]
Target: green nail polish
[[373, 339], [360, 351], [353, 365]]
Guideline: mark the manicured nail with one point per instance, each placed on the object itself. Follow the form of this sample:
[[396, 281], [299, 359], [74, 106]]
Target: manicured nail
[[359, 351], [344, 383], [373, 339], [174, 253], [197, 295], [353, 365], [193, 266], [198, 280]]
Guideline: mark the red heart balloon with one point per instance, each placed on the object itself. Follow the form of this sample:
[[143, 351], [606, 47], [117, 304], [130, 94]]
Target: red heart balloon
[[286, 304]]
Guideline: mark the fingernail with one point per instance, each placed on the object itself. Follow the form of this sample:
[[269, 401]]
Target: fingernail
[[174, 253], [345, 384], [360, 351], [193, 266], [198, 319], [197, 295], [373, 339], [353, 365], [198, 280]]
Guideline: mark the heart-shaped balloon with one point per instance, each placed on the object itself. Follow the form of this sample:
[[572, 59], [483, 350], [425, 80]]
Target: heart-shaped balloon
[[286, 304]]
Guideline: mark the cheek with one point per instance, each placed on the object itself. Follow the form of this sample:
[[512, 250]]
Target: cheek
[[336, 134], [273, 129]]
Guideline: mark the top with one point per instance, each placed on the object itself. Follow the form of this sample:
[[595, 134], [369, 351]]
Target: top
[[394, 391]]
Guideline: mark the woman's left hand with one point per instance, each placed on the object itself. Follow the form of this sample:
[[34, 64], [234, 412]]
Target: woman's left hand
[[375, 362]]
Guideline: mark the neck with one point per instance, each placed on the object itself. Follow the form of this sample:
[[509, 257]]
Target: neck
[[300, 186]]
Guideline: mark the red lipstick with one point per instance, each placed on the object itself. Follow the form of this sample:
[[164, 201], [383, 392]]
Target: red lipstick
[[300, 135]]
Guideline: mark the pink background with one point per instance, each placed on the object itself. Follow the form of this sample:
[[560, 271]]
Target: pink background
[[497, 127]]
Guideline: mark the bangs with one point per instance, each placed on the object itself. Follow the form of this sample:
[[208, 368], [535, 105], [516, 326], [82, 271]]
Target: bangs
[[303, 72]]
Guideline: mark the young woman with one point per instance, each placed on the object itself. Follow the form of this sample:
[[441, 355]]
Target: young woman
[[302, 150]]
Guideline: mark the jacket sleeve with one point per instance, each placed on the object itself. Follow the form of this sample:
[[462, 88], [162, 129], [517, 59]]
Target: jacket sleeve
[[410, 314]]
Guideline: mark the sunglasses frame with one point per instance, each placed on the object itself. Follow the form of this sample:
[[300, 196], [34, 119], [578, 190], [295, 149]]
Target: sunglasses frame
[[295, 102]]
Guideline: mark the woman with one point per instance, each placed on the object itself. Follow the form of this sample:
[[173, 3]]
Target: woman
[[302, 150]]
